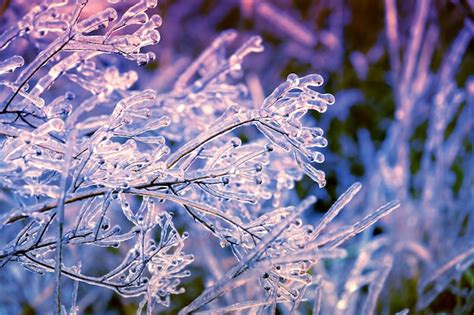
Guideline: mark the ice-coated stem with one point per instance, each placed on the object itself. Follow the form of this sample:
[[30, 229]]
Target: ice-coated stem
[[60, 219]]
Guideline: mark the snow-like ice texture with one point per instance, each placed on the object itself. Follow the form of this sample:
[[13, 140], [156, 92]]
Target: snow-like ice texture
[[118, 181]]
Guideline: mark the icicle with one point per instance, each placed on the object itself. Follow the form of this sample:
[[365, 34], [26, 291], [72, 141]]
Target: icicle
[[9, 65], [340, 203], [254, 44], [315, 174], [274, 137], [99, 20]]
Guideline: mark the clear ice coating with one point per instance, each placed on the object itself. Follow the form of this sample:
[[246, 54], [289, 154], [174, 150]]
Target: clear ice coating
[[137, 165]]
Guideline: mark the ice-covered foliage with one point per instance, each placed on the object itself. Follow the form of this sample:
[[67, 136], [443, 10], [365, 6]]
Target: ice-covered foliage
[[186, 181]]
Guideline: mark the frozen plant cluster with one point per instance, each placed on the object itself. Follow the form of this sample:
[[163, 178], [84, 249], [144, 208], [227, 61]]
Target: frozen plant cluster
[[122, 182], [84, 177]]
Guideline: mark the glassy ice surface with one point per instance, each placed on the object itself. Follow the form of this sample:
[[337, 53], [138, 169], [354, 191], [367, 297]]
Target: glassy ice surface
[[184, 156]]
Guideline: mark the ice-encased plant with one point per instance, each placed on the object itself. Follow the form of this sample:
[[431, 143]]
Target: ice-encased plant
[[91, 169]]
